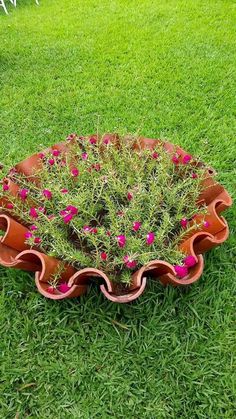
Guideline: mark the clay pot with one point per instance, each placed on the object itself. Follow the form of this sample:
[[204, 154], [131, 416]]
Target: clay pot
[[15, 253]]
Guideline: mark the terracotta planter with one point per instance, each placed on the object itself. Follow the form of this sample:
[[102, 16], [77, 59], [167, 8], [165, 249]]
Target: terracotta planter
[[15, 254]]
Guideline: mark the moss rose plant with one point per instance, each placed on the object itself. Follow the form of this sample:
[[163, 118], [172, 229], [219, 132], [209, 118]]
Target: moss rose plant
[[106, 205]]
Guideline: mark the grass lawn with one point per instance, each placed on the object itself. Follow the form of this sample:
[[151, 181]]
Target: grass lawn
[[165, 69]]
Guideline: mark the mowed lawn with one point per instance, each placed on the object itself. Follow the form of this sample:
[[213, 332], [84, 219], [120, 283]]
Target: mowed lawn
[[163, 69]]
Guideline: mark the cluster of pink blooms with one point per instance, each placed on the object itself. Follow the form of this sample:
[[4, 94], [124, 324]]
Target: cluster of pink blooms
[[182, 270], [31, 234]]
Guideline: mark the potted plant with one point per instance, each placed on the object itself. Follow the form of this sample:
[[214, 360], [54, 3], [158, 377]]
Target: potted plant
[[112, 209]]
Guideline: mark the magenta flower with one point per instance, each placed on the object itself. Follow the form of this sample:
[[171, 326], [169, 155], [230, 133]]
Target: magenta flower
[[51, 162], [50, 290], [155, 155], [189, 261], [71, 137], [106, 141], [87, 229], [33, 227], [23, 193], [181, 271], [64, 190], [84, 156], [97, 167], [93, 140], [33, 213], [175, 159], [67, 218], [28, 235], [187, 158], [136, 225], [130, 263], [37, 240], [56, 153], [42, 209], [73, 210], [129, 196], [184, 222], [103, 256], [63, 287], [9, 206], [206, 224], [41, 155], [47, 194], [150, 238], [75, 172], [63, 212], [5, 187], [194, 175], [94, 230], [121, 240]]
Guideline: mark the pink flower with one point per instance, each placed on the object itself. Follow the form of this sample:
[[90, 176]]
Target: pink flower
[[84, 156], [42, 209], [33, 227], [9, 205], [73, 210], [150, 238], [93, 140], [189, 261], [50, 290], [194, 175], [33, 213], [63, 163], [129, 196], [97, 167], [121, 240], [56, 153], [181, 271], [63, 287], [68, 218], [51, 217], [64, 190], [87, 229], [187, 158], [37, 240], [206, 224], [5, 187], [130, 263], [75, 172], [184, 222], [71, 137], [51, 162], [136, 225], [63, 212], [41, 155], [106, 141], [47, 194], [175, 159], [28, 235], [94, 230], [103, 256], [23, 193], [155, 155]]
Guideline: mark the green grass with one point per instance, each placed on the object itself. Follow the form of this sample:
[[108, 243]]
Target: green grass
[[163, 68]]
